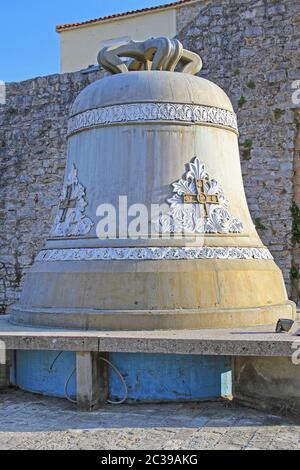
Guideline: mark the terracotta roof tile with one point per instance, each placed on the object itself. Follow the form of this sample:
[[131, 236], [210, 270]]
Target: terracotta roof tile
[[63, 27]]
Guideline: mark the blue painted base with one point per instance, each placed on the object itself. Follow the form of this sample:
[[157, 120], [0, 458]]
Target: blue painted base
[[149, 377]]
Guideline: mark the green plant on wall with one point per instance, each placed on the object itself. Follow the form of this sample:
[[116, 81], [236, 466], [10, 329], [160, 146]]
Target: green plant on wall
[[245, 148], [294, 273], [247, 144], [295, 211], [259, 225], [251, 85], [278, 113], [242, 100]]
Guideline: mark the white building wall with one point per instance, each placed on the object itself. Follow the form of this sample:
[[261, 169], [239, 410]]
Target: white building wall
[[80, 46]]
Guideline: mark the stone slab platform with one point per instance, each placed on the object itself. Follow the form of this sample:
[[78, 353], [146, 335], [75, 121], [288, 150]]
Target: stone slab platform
[[254, 341], [42, 423], [257, 381]]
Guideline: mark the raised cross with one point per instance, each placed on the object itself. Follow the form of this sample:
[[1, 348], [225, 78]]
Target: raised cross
[[67, 203], [200, 197]]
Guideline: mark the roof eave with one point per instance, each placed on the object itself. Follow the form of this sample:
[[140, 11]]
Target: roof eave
[[158, 9]]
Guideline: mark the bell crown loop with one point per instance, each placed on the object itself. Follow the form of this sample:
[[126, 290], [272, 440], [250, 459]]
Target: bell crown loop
[[153, 54]]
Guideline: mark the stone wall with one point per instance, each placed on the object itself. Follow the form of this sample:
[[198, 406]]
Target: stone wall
[[186, 13], [295, 270], [250, 48]]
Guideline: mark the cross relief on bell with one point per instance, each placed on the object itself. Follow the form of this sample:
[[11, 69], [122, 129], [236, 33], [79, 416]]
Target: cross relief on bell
[[198, 205], [201, 196], [67, 203], [70, 219]]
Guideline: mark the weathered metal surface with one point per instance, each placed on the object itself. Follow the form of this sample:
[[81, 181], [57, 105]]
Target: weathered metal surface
[[45, 372], [157, 377], [84, 377]]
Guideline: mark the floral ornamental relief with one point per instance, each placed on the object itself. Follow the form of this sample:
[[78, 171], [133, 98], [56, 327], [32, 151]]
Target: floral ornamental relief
[[198, 205], [153, 253], [154, 111], [70, 219]]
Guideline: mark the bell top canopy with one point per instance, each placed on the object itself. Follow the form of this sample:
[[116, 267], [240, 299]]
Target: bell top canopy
[[154, 86], [159, 71]]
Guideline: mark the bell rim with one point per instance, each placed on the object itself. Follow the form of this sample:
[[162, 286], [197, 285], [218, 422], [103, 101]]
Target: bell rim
[[138, 320]]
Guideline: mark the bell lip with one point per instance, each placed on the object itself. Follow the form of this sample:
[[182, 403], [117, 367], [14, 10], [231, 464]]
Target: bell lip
[[139, 320]]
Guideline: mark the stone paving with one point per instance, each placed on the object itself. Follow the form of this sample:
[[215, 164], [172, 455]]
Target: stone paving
[[33, 422]]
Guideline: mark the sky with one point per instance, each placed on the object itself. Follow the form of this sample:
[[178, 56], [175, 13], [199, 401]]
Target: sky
[[29, 45]]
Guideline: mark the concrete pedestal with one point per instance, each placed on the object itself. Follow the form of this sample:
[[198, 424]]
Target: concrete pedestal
[[158, 365]]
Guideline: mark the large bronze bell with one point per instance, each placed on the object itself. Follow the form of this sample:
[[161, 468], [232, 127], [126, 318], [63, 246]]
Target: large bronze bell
[[155, 133]]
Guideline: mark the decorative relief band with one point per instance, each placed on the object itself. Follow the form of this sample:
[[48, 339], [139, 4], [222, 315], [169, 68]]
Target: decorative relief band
[[153, 253], [136, 112]]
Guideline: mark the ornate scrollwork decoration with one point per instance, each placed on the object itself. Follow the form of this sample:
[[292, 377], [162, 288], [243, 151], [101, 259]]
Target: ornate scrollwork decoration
[[154, 253], [152, 112]]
